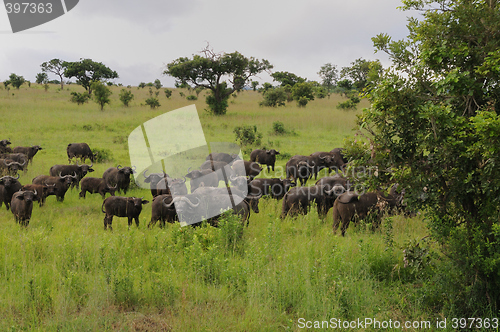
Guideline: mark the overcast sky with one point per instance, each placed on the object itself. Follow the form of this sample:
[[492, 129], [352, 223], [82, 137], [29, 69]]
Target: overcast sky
[[137, 38]]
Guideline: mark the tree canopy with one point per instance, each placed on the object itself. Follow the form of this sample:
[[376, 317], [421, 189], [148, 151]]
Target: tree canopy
[[221, 73], [55, 66], [87, 71], [285, 78], [434, 125]]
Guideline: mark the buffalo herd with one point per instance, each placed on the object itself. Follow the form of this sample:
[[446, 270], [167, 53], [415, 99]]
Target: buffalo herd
[[205, 199]]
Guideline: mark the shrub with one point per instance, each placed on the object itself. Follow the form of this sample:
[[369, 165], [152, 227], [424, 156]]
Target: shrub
[[274, 97], [248, 135], [126, 96], [103, 155], [279, 128], [168, 93], [347, 105], [79, 98], [101, 94], [192, 97], [153, 102]]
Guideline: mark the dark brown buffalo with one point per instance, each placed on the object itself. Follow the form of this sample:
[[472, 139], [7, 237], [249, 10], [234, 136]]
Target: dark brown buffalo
[[203, 178], [80, 150], [42, 191], [171, 186], [96, 186], [22, 206], [246, 168], [4, 146], [61, 183], [153, 180], [119, 176], [129, 207], [17, 157], [251, 199], [274, 187], [322, 160], [341, 183], [79, 170], [339, 159], [222, 169], [8, 186], [264, 157], [11, 167], [299, 199], [29, 151], [160, 212], [221, 156], [352, 207], [299, 168]]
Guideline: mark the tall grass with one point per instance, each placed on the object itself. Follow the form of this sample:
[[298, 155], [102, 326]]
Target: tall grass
[[64, 272]]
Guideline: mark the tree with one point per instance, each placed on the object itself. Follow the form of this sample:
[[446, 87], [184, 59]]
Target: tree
[[157, 84], [87, 71], [254, 84], [303, 93], [126, 96], [15, 80], [329, 74], [274, 97], [41, 78], [435, 123], [362, 73], [285, 78], [55, 66], [101, 93], [221, 73]]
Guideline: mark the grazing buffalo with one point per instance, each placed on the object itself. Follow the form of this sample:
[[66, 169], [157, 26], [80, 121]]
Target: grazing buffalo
[[22, 205], [119, 176], [169, 186], [220, 167], [79, 170], [4, 146], [8, 186], [264, 157], [42, 191], [129, 207], [96, 186], [221, 156], [203, 178], [10, 167], [246, 168], [322, 160], [338, 158], [352, 207], [274, 187], [300, 168], [153, 180], [252, 200], [29, 151], [339, 182], [160, 211], [17, 157], [80, 150], [299, 199], [61, 183]]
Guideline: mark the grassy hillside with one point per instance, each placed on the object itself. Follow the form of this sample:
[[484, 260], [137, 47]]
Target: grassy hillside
[[65, 273]]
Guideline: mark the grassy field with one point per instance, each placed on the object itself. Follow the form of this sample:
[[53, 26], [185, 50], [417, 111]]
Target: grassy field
[[64, 273]]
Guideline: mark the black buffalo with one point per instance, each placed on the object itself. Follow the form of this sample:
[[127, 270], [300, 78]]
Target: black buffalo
[[129, 207], [299, 168], [160, 211], [202, 178], [96, 186], [79, 170], [119, 176], [22, 206], [339, 159], [4, 146], [8, 186], [29, 151], [274, 187], [221, 156], [169, 186], [246, 168], [80, 150], [153, 180], [222, 169], [17, 157], [61, 183], [264, 157], [339, 182], [299, 199], [11, 167], [42, 191]]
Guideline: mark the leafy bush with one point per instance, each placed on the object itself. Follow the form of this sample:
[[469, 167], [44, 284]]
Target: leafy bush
[[274, 97], [103, 155], [279, 128], [101, 94], [168, 93], [153, 102], [79, 97], [192, 97], [347, 105], [126, 96], [247, 135]]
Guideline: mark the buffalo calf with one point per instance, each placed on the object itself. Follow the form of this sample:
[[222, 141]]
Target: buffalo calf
[[129, 207]]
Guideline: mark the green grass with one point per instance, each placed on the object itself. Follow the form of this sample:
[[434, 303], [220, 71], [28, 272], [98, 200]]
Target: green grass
[[65, 273]]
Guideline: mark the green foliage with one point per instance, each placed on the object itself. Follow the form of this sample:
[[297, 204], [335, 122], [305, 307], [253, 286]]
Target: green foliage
[[434, 120], [168, 93], [329, 74], [279, 128], [87, 71], [101, 94], [247, 135], [126, 96], [274, 97], [15, 80], [41, 78], [157, 84], [153, 102], [363, 73], [320, 92], [347, 105], [254, 84], [103, 155], [192, 97], [205, 71], [303, 93], [79, 98], [142, 85], [55, 66], [286, 78]]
